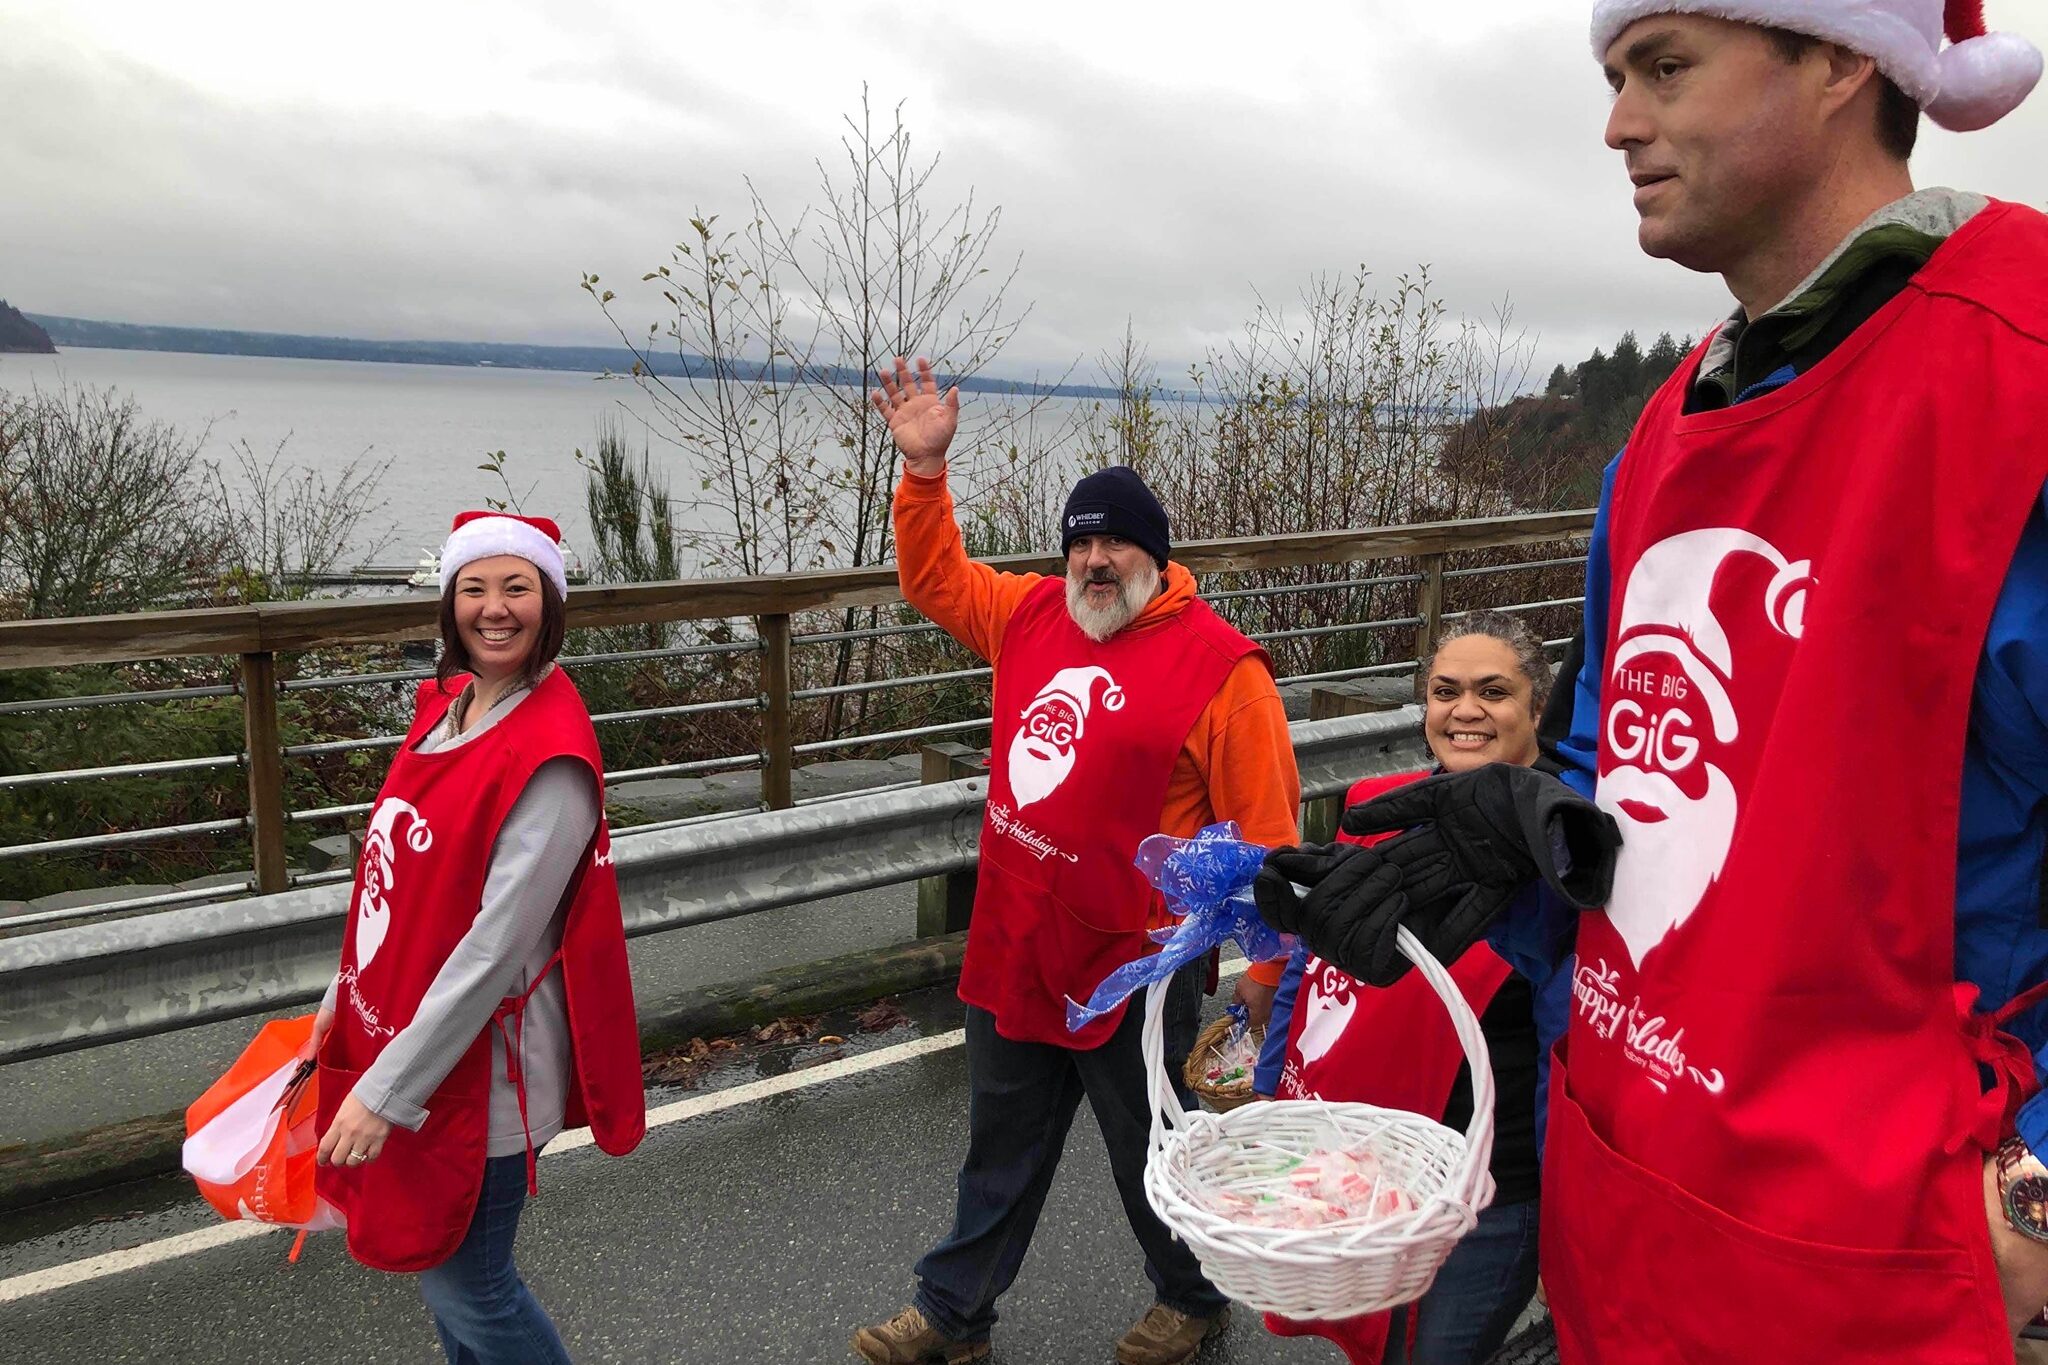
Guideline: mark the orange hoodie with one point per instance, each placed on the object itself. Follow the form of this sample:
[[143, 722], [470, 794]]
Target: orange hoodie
[[1237, 762]]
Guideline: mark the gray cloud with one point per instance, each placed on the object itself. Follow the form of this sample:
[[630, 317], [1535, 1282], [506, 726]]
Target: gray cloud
[[1173, 195]]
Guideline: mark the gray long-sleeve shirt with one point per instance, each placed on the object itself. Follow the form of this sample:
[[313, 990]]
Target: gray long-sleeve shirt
[[517, 928]]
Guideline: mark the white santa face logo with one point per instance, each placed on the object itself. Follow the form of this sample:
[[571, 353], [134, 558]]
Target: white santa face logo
[[1670, 731], [380, 856], [1328, 1000], [1042, 752]]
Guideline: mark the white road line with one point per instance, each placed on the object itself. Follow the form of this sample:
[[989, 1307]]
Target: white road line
[[734, 1096], [132, 1258], [226, 1234]]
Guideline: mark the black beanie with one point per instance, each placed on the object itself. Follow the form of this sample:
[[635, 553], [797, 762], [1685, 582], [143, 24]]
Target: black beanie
[[1116, 502]]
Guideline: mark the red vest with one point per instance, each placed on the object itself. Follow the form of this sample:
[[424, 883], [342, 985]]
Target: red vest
[[1397, 1048], [1766, 1123], [1085, 740], [416, 893]]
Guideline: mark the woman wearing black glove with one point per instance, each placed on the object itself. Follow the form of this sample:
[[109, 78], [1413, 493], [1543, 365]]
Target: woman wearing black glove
[[1331, 1034]]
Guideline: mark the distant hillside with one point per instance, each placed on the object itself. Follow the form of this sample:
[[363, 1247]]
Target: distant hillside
[[129, 336], [1557, 444], [18, 335]]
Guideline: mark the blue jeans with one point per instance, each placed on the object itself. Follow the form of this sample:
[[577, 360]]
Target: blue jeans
[[1022, 1098], [1183, 1022], [1481, 1290], [483, 1311]]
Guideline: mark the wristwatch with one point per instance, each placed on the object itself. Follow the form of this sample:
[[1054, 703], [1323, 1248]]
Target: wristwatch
[[2023, 1189]]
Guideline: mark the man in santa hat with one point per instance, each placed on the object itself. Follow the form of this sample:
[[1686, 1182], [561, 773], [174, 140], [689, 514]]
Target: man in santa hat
[[1796, 1116], [1124, 707]]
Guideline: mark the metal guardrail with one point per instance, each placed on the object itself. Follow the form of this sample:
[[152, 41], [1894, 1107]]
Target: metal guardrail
[[67, 989]]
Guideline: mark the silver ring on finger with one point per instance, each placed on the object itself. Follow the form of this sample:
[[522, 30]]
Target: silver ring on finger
[[358, 1158]]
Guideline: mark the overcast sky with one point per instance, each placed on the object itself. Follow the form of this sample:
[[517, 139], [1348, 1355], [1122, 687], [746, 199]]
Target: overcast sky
[[429, 170]]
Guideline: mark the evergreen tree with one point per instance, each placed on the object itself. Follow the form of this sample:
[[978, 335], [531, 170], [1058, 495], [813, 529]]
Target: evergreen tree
[[1626, 365], [1595, 381], [1663, 358]]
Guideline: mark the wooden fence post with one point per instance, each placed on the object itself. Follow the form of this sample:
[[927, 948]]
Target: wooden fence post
[[777, 757], [264, 748], [1327, 702], [945, 903], [1429, 606]]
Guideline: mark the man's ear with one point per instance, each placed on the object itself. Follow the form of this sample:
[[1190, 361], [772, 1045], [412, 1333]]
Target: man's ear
[[1849, 73]]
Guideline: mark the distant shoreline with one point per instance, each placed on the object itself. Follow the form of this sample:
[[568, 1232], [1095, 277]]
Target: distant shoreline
[[130, 336]]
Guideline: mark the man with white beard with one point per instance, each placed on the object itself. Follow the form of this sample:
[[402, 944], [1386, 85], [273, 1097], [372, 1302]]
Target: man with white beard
[[1124, 707]]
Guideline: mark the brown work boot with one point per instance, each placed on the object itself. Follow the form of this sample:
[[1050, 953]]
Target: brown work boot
[[1167, 1336], [910, 1339]]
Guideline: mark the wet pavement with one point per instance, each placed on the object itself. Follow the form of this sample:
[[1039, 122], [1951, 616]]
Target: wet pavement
[[771, 1209]]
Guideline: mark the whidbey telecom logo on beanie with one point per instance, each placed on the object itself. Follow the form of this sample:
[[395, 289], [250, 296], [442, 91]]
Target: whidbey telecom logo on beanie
[[1116, 502]]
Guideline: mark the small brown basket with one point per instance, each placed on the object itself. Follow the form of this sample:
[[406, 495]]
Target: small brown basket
[[1221, 1098]]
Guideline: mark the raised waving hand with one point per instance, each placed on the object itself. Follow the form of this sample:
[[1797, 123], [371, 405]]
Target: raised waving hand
[[921, 422]]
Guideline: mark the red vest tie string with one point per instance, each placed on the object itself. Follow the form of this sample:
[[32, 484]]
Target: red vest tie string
[[2014, 1078], [513, 1035]]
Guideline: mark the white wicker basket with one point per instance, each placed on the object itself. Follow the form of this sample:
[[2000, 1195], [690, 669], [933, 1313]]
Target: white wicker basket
[[1342, 1269]]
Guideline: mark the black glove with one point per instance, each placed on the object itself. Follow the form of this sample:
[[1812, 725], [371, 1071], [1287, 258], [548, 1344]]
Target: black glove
[[1499, 826], [1474, 840], [1352, 904]]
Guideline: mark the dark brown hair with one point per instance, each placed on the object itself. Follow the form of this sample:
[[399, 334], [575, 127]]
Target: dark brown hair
[[1898, 117], [554, 624]]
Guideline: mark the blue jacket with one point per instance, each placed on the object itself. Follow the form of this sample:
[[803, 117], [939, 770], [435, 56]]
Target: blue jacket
[[2001, 944], [1273, 1052]]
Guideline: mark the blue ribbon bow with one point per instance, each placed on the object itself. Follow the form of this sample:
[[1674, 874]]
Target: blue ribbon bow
[[1207, 879]]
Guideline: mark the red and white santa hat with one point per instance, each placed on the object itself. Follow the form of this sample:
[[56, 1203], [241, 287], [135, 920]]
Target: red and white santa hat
[[1974, 82], [480, 535]]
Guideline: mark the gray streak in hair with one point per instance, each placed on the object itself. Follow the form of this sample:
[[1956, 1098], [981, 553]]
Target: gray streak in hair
[[1516, 635]]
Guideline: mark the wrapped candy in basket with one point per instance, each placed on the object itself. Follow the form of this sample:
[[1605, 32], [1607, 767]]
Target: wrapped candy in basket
[[1226, 1052], [1305, 1208]]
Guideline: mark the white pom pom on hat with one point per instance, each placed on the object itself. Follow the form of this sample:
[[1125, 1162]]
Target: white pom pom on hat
[[1983, 79], [481, 535], [1974, 82]]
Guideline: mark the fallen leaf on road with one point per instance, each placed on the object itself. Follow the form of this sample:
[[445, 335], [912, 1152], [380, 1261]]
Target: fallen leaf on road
[[682, 1065], [883, 1014], [795, 1029]]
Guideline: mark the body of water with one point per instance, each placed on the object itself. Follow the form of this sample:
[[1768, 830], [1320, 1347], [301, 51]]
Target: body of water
[[434, 423]]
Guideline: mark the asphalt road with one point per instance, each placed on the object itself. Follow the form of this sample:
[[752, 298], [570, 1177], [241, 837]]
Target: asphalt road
[[749, 1226]]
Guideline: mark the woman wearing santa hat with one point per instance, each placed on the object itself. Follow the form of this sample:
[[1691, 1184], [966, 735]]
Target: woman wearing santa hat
[[483, 1002]]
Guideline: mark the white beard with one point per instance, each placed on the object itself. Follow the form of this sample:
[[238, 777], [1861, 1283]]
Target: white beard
[[1036, 769], [1099, 623], [1327, 1017], [1667, 866]]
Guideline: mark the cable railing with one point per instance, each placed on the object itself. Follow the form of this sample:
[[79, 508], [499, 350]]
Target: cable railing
[[759, 654]]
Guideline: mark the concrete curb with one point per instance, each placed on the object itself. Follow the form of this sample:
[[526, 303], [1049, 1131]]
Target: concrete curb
[[38, 1172], [809, 988]]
